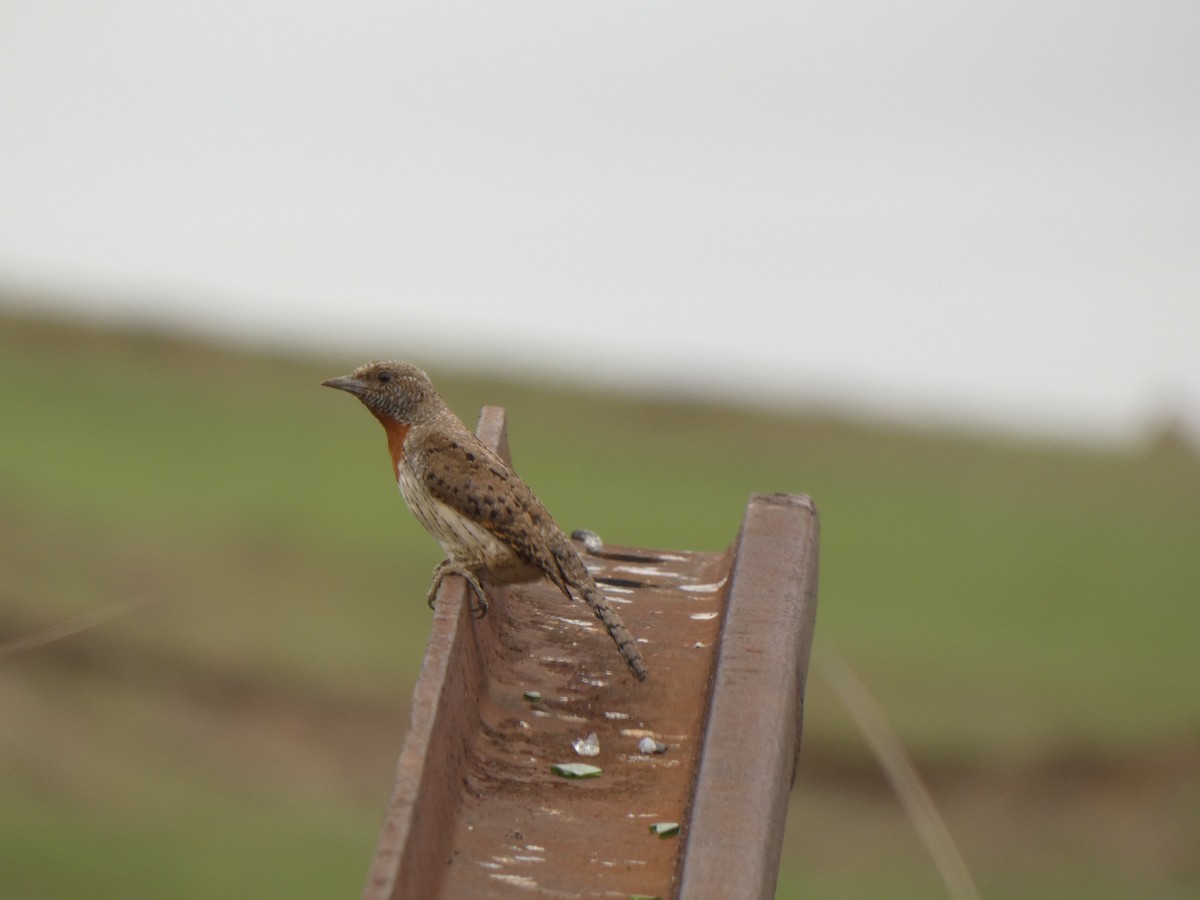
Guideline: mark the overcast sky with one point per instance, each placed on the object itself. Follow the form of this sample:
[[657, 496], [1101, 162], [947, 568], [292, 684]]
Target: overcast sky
[[988, 212]]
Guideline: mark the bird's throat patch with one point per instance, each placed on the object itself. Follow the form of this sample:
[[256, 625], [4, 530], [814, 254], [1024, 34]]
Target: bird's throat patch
[[396, 433]]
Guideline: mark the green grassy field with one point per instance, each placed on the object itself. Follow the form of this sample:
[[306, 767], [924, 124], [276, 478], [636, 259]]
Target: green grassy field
[[1027, 615]]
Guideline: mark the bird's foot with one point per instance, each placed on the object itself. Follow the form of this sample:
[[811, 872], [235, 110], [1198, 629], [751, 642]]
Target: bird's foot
[[478, 605]]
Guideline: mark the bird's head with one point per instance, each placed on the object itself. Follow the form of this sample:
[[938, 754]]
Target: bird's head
[[391, 390]]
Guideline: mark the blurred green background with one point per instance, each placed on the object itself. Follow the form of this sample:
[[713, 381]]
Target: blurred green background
[[1027, 615]]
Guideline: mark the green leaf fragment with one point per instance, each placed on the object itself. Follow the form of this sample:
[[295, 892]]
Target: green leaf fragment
[[532, 695], [575, 770]]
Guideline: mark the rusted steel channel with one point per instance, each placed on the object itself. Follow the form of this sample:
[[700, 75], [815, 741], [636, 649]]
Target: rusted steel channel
[[476, 811]]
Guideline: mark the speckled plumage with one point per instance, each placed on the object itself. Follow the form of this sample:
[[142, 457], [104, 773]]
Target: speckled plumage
[[485, 517]]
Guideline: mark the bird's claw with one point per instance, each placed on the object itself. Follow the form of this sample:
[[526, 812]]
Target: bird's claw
[[478, 605]]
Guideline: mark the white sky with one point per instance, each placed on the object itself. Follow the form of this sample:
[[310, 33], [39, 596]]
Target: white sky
[[986, 212]]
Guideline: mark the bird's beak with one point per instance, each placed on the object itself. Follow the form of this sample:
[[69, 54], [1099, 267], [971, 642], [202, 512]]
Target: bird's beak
[[347, 383]]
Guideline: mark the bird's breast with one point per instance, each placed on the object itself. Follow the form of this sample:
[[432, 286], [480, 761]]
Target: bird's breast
[[461, 537]]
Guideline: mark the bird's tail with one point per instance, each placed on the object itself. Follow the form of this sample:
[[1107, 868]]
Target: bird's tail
[[576, 575]]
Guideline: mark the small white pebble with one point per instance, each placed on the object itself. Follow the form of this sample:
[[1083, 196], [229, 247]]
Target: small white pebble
[[648, 745], [590, 540]]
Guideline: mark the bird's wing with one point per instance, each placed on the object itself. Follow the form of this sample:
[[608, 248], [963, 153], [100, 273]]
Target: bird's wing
[[465, 475]]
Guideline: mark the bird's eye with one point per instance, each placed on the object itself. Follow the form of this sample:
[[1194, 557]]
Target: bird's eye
[[385, 377]]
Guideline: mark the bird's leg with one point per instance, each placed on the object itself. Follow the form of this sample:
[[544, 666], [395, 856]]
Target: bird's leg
[[439, 572], [446, 567], [480, 607]]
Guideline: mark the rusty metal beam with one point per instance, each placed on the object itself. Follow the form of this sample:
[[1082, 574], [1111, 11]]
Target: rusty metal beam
[[752, 736], [476, 810]]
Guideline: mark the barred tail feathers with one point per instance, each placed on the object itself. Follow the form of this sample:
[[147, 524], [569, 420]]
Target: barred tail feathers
[[575, 574], [626, 645]]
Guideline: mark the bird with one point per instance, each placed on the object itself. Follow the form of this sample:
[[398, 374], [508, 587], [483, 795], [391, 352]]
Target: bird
[[487, 520]]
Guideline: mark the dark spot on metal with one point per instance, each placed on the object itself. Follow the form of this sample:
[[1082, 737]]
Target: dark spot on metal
[[613, 581]]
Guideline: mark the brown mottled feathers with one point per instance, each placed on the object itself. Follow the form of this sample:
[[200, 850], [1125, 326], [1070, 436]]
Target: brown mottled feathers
[[460, 471]]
